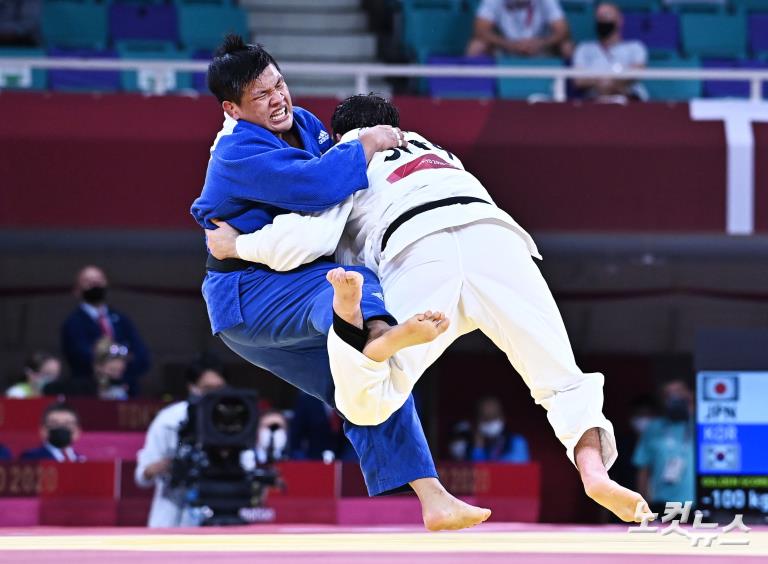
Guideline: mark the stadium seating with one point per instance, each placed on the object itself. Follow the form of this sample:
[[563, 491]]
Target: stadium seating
[[524, 88], [673, 90], [659, 32], [203, 26], [75, 24], [750, 5], [435, 31], [697, 6], [638, 5], [758, 34], [577, 6], [143, 21], [14, 77], [714, 35], [582, 26], [83, 81], [459, 87], [731, 88], [199, 82], [133, 81]]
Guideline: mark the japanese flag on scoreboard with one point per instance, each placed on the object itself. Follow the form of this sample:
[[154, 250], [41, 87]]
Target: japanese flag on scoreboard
[[721, 388]]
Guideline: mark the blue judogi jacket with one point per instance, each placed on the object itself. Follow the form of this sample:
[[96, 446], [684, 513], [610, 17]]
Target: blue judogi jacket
[[254, 176]]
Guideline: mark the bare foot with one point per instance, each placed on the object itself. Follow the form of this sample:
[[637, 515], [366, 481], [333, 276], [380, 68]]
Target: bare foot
[[419, 329], [347, 293], [627, 505], [443, 512]]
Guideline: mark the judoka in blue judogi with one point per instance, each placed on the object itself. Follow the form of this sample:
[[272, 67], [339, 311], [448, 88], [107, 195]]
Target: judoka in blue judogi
[[280, 320]]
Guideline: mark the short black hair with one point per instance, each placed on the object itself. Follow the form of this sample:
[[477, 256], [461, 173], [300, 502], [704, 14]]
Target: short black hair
[[37, 359], [234, 66], [56, 407], [202, 364], [364, 110]]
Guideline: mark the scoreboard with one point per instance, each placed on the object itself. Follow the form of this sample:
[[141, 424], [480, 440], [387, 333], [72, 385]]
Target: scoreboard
[[732, 444]]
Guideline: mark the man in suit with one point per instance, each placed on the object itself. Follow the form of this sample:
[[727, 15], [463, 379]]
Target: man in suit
[[59, 431], [92, 320], [5, 454]]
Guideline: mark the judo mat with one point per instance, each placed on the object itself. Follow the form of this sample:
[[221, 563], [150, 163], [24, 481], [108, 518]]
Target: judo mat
[[493, 543]]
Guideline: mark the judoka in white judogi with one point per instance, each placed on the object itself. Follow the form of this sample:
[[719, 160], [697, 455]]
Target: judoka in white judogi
[[471, 261]]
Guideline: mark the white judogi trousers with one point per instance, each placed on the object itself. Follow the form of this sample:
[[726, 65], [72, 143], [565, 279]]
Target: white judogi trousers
[[482, 276]]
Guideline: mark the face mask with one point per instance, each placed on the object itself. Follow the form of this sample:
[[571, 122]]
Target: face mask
[[278, 438], [605, 29], [60, 437], [458, 450], [677, 409], [42, 380], [492, 429], [640, 424], [95, 295]]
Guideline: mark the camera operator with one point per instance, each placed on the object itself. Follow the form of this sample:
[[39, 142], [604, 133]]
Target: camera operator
[[154, 460]]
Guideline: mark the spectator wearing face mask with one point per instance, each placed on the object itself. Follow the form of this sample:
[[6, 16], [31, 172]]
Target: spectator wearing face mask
[[40, 369], [93, 320], [493, 442], [642, 411], [272, 438], [153, 464], [610, 53], [59, 431], [460, 443], [664, 453]]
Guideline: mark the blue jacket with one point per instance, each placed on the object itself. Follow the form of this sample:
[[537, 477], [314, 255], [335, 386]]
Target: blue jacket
[[42, 453], [253, 176], [507, 447], [5, 454], [79, 334]]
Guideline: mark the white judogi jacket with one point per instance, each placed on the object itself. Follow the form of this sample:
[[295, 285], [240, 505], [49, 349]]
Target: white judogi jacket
[[399, 180]]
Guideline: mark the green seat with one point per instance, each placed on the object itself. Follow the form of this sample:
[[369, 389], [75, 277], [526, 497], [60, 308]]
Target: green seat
[[434, 31], [203, 26], [750, 5], [698, 6], [582, 26], [133, 81], [637, 5], [13, 77], [673, 90], [714, 35], [577, 6], [75, 24], [523, 88]]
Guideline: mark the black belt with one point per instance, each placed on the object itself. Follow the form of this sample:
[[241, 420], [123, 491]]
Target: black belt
[[227, 265], [235, 264], [423, 208]]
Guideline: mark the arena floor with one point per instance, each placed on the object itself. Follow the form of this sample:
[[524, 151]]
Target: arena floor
[[492, 543]]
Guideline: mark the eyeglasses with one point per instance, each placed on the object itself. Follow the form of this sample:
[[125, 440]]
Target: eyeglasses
[[118, 350]]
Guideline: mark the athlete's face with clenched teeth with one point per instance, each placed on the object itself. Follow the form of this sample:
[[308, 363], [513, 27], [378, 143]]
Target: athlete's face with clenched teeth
[[266, 102]]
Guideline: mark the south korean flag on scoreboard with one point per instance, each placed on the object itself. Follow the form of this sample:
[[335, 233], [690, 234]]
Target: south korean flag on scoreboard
[[721, 388]]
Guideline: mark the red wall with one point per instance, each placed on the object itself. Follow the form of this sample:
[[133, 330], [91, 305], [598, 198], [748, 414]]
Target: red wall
[[69, 160]]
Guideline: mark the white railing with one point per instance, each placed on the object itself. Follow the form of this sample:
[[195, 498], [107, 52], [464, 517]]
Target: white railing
[[158, 71]]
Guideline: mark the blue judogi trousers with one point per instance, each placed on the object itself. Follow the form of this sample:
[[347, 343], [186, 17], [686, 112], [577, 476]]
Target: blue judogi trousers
[[285, 322]]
